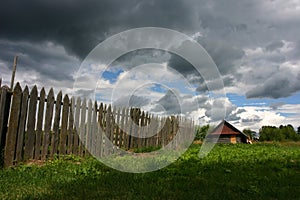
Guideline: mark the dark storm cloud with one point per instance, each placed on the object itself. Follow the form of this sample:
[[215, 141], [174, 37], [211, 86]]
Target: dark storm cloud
[[180, 64], [223, 54], [275, 45], [280, 85], [43, 58], [140, 57], [214, 85], [168, 104], [227, 29], [80, 25]]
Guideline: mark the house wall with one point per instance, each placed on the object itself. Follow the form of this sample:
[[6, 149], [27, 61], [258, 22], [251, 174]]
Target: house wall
[[226, 139]]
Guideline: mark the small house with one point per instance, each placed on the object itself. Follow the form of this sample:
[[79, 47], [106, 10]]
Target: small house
[[227, 133]]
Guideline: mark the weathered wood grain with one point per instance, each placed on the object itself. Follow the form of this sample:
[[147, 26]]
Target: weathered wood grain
[[82, 128], [76, 127], [39, 126], [22, 122], [70, 142], [10, 145], [56, 124], [48, 124], [5, 101], [64, 126], [30, 138]]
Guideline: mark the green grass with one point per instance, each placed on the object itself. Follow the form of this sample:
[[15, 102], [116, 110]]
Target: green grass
[[259, 171]]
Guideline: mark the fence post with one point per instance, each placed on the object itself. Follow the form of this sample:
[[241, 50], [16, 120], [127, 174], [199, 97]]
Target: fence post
[[13, 72], [10, 146]]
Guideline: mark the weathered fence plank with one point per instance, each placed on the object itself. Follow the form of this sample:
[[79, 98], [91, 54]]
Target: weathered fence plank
[[30, 139], [10, 145], [108, 130], [99, 150], [88, 126], [139, 129], [48, 123], [39, 126], [64, 126], [127, 128], [4, 113], [101, 131], [77, 129], [101, 116], [157, 130], [146, 130], [152, 132], [22, 122], [71, 128], [56, 123], [118, 138], [121, 128], [112, 125], [82, 128], [94, 129]]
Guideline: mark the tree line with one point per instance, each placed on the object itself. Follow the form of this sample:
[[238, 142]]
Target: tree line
[[281, 133]]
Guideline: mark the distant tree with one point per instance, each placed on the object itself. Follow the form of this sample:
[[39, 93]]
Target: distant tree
[[249, 133], [298, 130], [267, 133], [201, 132]]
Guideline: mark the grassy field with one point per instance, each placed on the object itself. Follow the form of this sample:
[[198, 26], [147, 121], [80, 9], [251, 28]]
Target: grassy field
[[258, 171]]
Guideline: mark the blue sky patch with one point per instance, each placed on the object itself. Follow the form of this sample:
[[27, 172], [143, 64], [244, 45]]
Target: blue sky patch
[[112, 76]]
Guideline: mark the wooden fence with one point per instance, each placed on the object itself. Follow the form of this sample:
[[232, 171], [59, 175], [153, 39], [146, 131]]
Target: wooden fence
[[34, 125]]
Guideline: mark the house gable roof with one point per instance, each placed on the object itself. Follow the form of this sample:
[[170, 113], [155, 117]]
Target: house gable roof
[[225, 128]]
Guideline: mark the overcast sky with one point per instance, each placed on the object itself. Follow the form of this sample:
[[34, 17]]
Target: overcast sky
[[255, 45]]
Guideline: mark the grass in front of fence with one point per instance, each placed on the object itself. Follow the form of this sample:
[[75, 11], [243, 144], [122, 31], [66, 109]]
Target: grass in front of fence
[[259, 171]]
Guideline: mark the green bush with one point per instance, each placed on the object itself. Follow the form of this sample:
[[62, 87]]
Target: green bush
[[201, 132]]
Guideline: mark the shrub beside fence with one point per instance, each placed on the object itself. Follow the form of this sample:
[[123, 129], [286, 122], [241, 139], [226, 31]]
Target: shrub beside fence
[[34, 125]]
